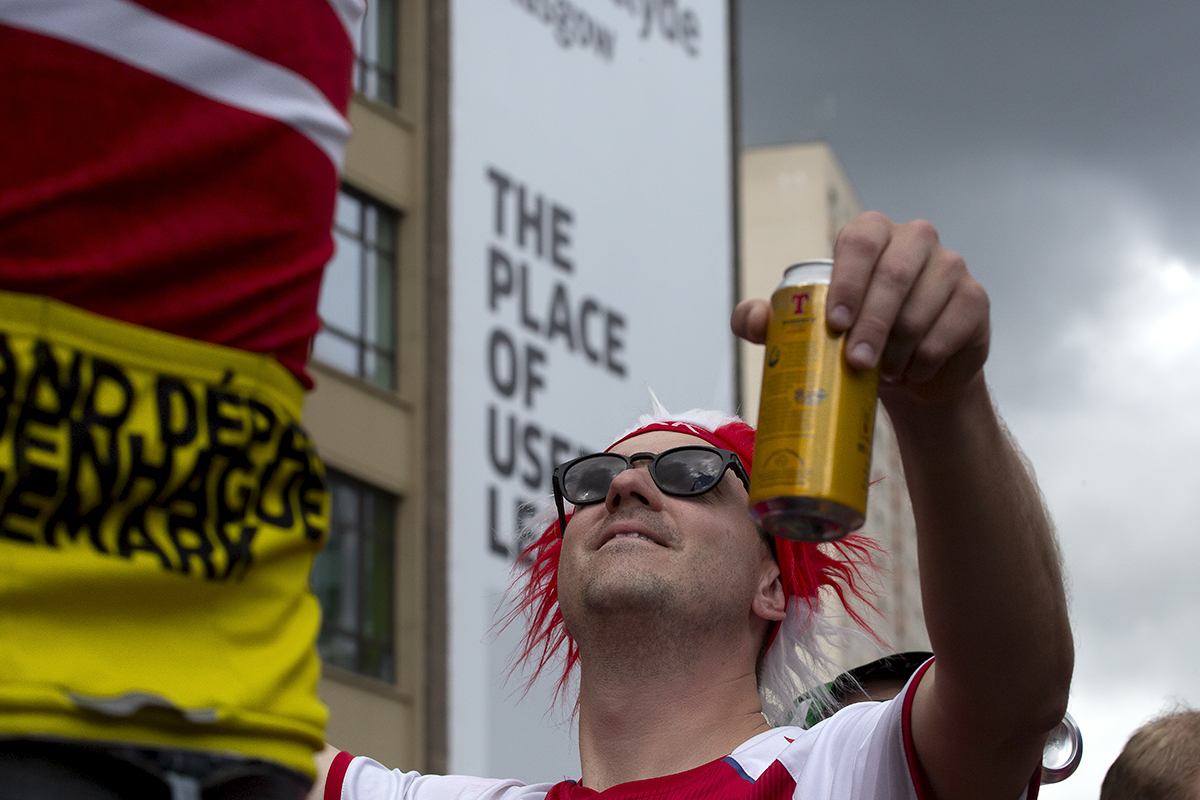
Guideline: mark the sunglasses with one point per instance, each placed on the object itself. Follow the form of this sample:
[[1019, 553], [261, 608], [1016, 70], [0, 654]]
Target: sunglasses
[[686, 471]]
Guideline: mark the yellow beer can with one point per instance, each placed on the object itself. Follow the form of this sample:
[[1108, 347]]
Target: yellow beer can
[[816, 419]]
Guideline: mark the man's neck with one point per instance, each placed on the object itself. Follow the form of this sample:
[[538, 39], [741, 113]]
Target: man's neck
[[653, 717]]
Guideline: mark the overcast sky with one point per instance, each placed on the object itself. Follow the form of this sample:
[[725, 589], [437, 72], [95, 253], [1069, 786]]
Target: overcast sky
[[1057, 147]]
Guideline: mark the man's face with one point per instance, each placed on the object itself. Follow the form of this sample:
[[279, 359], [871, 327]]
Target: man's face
[[681, 561]]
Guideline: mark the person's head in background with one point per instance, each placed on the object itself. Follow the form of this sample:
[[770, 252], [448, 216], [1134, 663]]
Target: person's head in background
[[1161, 761]]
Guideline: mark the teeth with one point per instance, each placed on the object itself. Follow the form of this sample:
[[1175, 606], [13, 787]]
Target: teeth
[[634, 536]]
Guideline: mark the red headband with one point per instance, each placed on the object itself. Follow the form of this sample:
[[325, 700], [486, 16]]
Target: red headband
[[712, 437]]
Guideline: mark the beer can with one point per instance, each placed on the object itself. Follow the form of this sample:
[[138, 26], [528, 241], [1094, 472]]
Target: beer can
[[816, 419]]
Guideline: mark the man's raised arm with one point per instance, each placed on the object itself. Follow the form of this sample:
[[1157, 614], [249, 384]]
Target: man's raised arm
[[991, 580]]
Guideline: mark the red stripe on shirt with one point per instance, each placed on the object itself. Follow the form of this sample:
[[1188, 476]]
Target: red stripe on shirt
[[1035, 784], [915, 771], [776, 783], [130, 196], [337, 775], [295, 34]]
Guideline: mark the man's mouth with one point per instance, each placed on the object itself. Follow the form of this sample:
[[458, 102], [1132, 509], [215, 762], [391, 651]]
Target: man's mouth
[[628, 530], [633, 536]]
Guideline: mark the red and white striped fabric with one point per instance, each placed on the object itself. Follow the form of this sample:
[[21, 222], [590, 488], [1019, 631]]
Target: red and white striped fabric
[[864, 752], [858, 754], [174, 163]]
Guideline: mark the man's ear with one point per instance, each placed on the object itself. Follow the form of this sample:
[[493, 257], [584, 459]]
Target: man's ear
[[770, 601]]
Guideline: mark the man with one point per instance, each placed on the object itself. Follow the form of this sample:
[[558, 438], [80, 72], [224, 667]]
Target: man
[[1161, 761], [165, 215], [666, 600]]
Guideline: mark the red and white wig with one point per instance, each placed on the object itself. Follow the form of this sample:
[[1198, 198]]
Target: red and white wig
[[794, 660]]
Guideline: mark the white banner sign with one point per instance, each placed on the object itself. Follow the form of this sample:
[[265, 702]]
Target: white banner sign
[[591, 257]]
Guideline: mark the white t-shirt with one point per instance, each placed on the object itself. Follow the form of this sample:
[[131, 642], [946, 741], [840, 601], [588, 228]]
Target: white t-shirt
[[863, 752]]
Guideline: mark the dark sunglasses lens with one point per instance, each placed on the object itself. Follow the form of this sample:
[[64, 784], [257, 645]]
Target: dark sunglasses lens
[[588, 480], [688, 472]]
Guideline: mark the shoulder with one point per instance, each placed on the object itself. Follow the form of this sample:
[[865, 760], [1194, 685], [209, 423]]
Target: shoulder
[[857, 753], [367, 779]]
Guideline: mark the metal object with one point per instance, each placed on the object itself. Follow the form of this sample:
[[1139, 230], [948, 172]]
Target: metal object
[[816, 419], [1063, 751]]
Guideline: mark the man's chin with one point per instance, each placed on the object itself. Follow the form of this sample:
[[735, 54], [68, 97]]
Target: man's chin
[[628, 589]]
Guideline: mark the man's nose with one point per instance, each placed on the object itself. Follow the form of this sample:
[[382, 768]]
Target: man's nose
[[633, 485]]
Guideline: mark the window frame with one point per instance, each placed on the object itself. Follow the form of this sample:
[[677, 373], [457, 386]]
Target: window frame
[[367, 243], [382, 19], [383, 546]]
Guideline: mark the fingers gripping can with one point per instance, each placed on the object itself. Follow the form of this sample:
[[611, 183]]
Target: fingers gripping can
[[816, 419]]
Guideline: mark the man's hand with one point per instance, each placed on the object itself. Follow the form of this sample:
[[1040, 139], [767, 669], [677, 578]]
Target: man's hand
[[908, 303]]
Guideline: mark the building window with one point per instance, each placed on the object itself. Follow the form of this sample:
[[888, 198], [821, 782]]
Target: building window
[[358, 294], [353, 578], [375, 66]]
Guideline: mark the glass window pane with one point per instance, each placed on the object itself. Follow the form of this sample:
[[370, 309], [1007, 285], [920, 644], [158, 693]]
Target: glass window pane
[[379, 335], [377, 62], [338, 649], [377, 660], [370, 298], [340, 300], [361, 317], [367, 626], [377, 607], [383, 332], [354, 578], [382, 519], [387, 88], [384, 232], [370, 231], [380, 368], [326, 578], [388, 34], [377, 569], [369, 52], [335, 351], [347, 215], [381, 601], [345, 497], [349, 610]]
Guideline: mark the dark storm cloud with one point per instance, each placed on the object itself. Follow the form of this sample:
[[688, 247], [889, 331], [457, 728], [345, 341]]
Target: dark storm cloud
[[916, 77], [1038, 137], [900, 87]]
